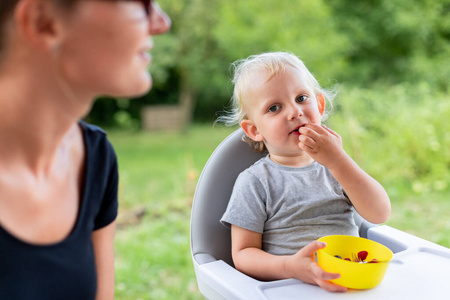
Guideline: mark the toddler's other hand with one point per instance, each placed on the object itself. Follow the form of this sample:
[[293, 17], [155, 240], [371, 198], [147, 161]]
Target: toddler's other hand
[[303, 267]]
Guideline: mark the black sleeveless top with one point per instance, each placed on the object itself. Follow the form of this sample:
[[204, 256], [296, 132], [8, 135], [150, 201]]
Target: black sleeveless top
[[65, 270]]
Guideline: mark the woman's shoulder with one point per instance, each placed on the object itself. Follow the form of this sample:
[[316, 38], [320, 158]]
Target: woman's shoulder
[[90, 128], [97, 146], [94, 135]]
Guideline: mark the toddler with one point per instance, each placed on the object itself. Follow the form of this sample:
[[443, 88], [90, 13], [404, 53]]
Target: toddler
[[305, 188]]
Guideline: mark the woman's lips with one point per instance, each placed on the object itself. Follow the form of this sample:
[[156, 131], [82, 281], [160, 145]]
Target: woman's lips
[[144, 52], [145, 55]]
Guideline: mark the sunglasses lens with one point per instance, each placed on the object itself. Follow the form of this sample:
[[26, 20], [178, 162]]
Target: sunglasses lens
[[147, 6]]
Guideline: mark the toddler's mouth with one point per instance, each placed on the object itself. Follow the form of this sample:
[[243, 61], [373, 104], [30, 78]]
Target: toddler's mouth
[[296, 130]]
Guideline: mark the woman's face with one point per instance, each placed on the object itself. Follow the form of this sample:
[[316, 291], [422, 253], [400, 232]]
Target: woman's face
[[105, 47]]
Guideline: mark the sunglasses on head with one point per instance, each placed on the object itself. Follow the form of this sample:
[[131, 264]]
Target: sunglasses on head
[[146, 4]]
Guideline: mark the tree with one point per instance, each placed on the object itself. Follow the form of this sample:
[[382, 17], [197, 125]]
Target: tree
[[208, 35], [353, 42], [395, 41]]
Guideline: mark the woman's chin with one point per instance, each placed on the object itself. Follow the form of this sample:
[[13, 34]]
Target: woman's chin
[[144, 85], [135, 90], [144, 88]]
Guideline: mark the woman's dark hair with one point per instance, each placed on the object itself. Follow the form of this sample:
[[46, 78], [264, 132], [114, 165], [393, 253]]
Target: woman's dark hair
[[6, 8]]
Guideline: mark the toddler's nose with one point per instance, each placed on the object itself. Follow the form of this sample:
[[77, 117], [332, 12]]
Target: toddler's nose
[[295, 111]]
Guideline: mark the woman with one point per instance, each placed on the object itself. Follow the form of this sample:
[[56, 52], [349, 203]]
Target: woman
[[58, 175]]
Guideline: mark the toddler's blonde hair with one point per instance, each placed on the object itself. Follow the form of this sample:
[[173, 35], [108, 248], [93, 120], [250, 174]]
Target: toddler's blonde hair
[[271, 63]]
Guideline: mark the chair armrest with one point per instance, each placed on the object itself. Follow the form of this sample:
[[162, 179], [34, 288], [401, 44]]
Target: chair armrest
[[228, 282], [398, 240]]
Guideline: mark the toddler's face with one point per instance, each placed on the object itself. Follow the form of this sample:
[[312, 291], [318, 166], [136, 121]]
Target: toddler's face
[[277, 108]]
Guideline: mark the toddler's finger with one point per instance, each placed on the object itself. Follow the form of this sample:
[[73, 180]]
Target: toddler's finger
[[313, 126], [307, 144], [330, 130], [323, 275], [331, 287], [312, 247]]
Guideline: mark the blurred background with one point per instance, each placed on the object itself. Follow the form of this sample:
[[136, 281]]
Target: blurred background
[[390, 61]]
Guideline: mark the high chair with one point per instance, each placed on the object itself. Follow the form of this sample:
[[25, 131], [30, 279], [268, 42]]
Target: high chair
[[419, 270]]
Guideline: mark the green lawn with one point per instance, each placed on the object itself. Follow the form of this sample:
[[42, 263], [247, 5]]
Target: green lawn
[[158, 174]]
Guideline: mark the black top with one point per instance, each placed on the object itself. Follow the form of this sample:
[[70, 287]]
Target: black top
[[65, 270]]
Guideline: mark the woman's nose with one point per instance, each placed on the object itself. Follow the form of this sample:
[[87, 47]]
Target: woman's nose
[[159, 21]]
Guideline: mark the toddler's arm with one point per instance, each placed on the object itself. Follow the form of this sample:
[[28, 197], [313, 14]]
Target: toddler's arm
[[367, 196], [249, 258]]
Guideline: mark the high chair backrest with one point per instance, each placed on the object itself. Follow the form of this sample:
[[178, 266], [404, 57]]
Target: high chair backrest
[[210, 240]]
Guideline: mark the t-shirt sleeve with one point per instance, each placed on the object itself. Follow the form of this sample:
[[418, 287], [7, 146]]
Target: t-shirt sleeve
[[246, 207], [109, 205]]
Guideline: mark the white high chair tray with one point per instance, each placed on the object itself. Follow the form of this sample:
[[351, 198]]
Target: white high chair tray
[[419, 272]]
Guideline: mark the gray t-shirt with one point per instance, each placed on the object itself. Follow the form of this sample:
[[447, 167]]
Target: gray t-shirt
[[291, 207]]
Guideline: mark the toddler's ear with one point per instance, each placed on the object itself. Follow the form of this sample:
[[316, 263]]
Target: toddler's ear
[[321, 103], [251, 130]]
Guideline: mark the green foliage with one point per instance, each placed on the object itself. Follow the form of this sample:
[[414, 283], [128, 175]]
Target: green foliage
[[395, 41], [359, 43], [399, 133], [303, 27]]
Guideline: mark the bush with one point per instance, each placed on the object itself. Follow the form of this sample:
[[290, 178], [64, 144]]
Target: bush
[[398, 134]]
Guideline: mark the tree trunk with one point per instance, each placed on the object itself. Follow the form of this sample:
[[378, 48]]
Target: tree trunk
[[186, 101]]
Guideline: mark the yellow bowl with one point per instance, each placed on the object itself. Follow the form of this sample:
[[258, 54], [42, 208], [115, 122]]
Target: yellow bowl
[[353, 274]]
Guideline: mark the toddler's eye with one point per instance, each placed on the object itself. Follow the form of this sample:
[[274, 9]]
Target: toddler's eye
[[300, 99], [274, 108]]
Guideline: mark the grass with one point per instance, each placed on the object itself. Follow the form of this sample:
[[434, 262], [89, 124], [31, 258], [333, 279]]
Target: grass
[[158, 174], [423, 215]]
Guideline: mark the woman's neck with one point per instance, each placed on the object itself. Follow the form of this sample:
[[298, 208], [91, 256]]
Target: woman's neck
[[36, 119]]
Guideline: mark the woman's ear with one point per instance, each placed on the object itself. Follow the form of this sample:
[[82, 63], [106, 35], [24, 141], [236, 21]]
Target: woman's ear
[[37, 22], [251, 130], [321, 104]]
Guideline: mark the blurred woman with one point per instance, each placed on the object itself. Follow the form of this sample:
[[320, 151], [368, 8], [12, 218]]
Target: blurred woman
[[58, 175]]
